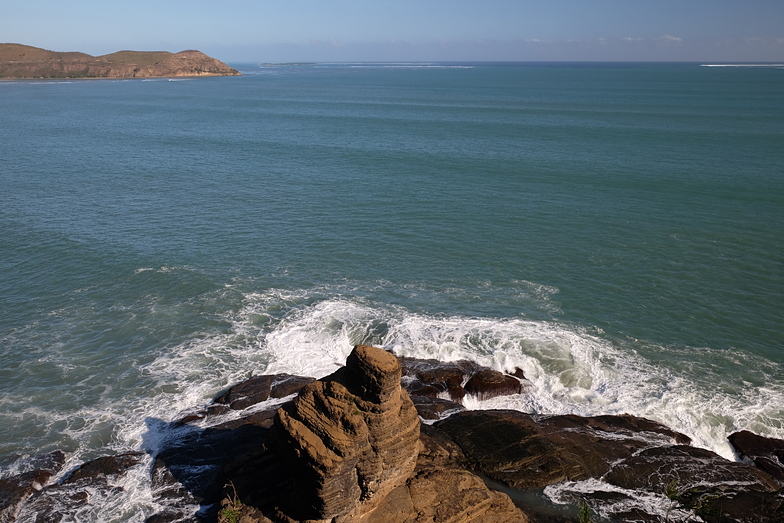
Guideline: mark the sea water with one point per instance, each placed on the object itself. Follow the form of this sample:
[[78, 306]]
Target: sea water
[[614, 230]]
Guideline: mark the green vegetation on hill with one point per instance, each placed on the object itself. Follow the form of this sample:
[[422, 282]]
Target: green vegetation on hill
[[19, 52], [144, 58]]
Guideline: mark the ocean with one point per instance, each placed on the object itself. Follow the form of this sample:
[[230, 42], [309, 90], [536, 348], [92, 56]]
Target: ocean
[[615, 230]]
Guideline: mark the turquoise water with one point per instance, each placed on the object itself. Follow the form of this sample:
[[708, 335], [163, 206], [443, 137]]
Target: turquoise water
[[616, 230]]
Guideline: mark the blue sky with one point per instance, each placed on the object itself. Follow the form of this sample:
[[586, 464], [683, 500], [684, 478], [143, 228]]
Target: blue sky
[[338, 30]]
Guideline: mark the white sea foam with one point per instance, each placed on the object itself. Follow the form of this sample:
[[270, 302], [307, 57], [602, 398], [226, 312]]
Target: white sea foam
[[775, 66], [572, 369], [621, 500]]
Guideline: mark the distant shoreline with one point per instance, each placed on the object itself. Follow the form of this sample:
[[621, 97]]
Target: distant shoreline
[[24, 62], [88, 79]]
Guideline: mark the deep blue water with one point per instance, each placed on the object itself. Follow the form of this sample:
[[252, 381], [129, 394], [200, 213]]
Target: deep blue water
[[616, 230]]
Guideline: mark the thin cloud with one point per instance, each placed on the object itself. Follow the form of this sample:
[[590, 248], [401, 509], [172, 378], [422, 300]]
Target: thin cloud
[[671, 39]]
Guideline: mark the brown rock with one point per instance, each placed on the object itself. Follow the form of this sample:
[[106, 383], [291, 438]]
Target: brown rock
[[352, 441], [459, 496], [349, 437], [489, 383]]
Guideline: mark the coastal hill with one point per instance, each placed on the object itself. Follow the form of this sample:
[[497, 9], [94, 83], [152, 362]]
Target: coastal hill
[[24, 61]]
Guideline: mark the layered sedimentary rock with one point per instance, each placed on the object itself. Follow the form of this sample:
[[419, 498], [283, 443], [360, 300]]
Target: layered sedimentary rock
[[349, 437]]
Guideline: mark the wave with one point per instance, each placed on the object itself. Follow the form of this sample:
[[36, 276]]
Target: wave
[[773, 66], [574, 369]]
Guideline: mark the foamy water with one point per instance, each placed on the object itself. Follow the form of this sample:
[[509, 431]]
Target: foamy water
[[572, 370]]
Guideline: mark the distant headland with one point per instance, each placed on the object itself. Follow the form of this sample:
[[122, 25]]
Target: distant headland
[[19, 61]]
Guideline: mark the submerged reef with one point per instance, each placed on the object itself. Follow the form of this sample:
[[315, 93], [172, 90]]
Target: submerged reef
[[386, 440]]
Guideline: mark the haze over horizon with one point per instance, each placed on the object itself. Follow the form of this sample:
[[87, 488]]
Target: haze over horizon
[[439, 30]]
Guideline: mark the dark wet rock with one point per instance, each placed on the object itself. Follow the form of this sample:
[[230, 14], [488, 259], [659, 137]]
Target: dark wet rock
[[437, 449], [189, 469], [518, 373], [764, 453], [652, 469], [443, 377], [170, 516], [86, 483], [417, 387], [286, 385], [104, 466], [359, 440], [716, 489], [525, 451], [489, 383], [248, 393], [261, 388], [427, 377], [16, 489], [431, 408]]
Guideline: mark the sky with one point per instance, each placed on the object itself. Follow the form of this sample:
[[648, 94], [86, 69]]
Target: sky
[[406, 30]]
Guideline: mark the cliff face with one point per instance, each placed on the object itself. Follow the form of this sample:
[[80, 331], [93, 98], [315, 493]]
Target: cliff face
[[22, 61], [351, 436], [352, 441]]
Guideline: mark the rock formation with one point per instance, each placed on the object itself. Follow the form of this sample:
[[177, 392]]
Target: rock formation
[[350, 437], [455, 379], [765, 453], [23, 61], [621, 454], [350, 448], [525, 451]]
